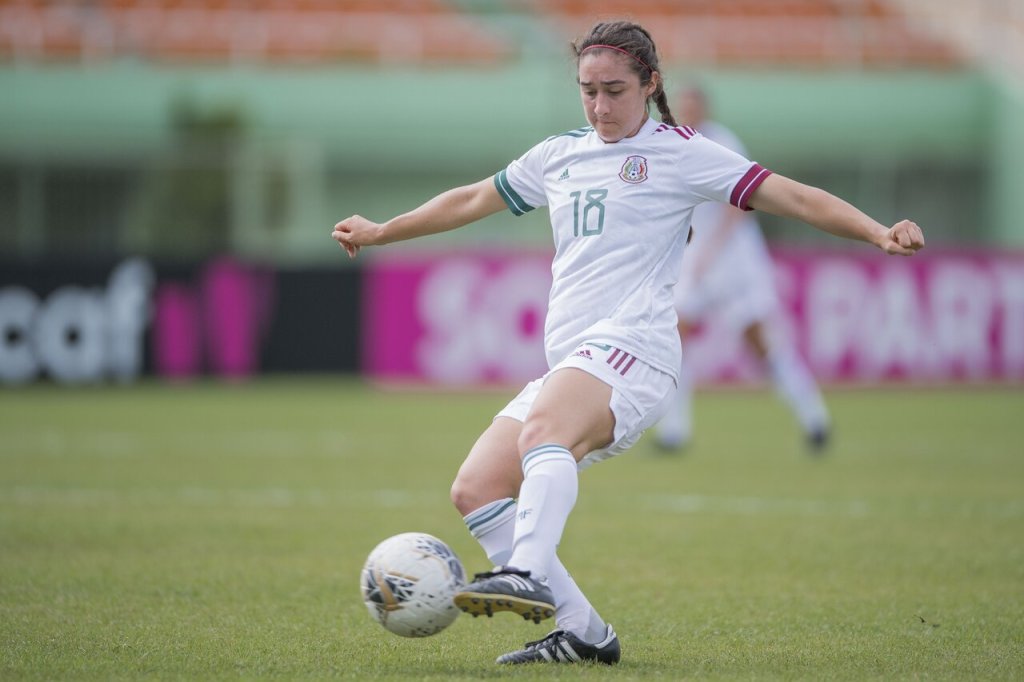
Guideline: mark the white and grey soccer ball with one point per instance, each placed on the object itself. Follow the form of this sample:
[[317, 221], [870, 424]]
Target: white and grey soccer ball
[[408, 583]]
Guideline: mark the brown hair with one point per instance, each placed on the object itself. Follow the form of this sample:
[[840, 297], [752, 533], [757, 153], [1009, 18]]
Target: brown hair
[[634, 40]]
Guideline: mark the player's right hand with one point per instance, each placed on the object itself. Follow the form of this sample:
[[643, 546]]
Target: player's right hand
[[905, 238]]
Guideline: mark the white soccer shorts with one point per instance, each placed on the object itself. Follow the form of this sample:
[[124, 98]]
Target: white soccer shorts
[[640, 394]]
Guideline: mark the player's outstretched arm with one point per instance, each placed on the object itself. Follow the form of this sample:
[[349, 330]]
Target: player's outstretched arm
[[447, 211], [790, 199]]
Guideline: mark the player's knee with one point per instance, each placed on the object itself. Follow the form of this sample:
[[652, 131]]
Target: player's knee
[[464, 496], [470, 491]]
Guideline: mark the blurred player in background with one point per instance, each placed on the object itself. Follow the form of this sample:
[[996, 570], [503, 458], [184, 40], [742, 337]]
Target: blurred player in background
[[727, 273], [620, 193]]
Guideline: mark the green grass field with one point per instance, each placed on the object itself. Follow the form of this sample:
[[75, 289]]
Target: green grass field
[[216, 532]]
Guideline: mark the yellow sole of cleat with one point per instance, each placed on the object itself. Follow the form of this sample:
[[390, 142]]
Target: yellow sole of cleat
[[481, 604]]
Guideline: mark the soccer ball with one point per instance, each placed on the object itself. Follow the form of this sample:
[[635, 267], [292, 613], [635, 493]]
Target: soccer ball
[[408, 583]]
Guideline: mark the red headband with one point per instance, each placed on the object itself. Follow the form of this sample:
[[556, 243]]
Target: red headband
[[618, 49]]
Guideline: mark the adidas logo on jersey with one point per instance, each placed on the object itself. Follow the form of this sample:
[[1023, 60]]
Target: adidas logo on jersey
[[584, 353], [564, 175]]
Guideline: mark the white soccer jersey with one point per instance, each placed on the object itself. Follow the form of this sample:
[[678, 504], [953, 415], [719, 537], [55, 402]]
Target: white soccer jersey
[[620, 214]]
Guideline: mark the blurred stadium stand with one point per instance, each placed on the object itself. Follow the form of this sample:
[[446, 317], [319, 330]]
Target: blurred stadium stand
[[183, 128], [990, 32], [269, 31], [805, 33], [817, 33]]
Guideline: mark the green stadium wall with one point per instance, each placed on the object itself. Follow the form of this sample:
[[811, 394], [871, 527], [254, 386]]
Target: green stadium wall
[[379, 140]]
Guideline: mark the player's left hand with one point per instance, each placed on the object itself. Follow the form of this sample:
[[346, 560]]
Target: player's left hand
[[904, 238], [354, 232]]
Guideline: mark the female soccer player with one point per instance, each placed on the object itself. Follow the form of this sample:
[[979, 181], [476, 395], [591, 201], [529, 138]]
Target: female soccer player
[[619, 193]]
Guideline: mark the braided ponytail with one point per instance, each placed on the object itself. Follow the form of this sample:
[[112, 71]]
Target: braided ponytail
[[661, 101]]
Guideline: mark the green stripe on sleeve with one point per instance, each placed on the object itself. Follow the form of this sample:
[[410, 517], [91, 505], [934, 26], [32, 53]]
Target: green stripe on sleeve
[[511, 197]]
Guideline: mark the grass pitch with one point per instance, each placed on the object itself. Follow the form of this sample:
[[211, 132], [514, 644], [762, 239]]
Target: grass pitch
[[216, 532]]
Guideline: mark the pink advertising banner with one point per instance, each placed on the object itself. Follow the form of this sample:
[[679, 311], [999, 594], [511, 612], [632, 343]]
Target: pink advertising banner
[[476, 318]]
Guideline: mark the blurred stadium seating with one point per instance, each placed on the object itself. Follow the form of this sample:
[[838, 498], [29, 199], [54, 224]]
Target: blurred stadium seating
[[304, 31], [991, 32], [810, 33], [816, 33]]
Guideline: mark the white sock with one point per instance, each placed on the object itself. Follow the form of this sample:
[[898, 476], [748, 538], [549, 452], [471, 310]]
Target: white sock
[[493, 526], [573, 612], [797, 388], [547, 495], [676, 428]]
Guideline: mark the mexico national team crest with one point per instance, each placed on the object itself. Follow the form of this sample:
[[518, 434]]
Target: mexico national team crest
[[634, 171]]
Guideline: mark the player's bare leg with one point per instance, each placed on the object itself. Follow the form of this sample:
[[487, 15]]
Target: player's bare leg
[[492, 470]]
